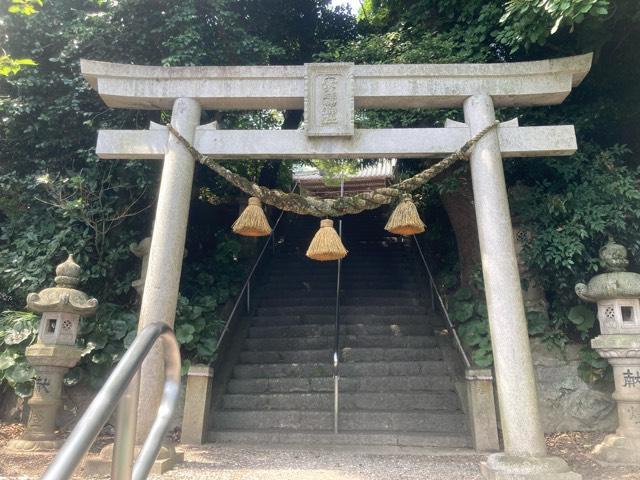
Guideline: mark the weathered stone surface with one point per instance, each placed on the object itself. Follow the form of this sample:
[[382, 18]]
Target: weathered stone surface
[[53, 354], [567, 403], [64, 297], [141, 250], [501, 466], [515, 380], [619, 450], [481, 410], [365, 143], [100, 464], [328, 100], [617, 294], [160, 294], [196, 404], [388, 86]]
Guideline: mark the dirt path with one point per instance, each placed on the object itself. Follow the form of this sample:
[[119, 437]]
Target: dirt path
[[213, 462]]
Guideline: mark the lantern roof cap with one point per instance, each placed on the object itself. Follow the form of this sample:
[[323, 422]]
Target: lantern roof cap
[[64, 297], [615, 282]]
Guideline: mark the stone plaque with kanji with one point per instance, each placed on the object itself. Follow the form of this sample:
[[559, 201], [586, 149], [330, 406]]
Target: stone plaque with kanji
[[328, 101]]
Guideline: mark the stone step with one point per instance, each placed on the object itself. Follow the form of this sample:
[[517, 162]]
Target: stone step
[[323, 284], [344, 310], [393, 267], [347, 369], [317, 330], [377, 420], [297, 437], [348, 354], [323, 319], [389, 280], [345, 276], [304, 343], [419, 383], [346, 300], [405, 401], [330, 292]]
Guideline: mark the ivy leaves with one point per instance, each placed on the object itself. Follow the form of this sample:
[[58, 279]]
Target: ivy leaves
[[583, 318], [10, 66], [471, 319], [17, 331], [528, 23]]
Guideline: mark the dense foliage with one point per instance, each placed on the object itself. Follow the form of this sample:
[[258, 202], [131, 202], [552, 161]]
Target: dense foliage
[[571, 204], [56, 197]]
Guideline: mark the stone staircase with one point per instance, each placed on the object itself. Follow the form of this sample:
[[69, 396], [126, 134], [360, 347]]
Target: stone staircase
[[395, 387]]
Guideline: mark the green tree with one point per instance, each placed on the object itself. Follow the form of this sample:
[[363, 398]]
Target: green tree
[[57, 197], [573, 203]]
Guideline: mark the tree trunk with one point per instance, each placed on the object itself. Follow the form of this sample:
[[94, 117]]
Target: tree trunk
[[459, 206]]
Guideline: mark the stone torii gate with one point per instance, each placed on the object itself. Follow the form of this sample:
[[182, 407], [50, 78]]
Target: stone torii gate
[[329, 93]]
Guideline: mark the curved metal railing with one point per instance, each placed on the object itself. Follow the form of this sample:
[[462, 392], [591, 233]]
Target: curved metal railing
[[101, 408], [436, 294]]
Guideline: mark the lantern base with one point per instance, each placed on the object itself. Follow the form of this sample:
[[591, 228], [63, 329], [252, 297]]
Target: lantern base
[[28, 445], [167, 458], [619, 450]]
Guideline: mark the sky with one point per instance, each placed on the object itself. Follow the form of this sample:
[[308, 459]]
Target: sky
[[355, 4]]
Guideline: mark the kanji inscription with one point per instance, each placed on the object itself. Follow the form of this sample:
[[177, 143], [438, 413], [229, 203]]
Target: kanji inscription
[[328, 102]]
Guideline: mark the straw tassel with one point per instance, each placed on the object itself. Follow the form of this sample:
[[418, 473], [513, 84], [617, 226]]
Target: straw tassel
[[326, 244], [405, 219], [252, 222]]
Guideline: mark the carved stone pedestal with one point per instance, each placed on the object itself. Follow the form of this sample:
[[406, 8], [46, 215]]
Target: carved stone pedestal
[[168, 457], [623, 353], [51, 362]]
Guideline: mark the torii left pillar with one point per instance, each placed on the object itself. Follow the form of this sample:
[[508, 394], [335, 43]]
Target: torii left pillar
[[160, 295]]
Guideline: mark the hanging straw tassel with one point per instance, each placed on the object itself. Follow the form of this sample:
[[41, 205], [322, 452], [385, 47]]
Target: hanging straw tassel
[[326, 244], [405, 219], [252, 222]]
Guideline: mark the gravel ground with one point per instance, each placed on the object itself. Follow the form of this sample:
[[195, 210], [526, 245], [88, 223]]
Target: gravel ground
[[269, 463]]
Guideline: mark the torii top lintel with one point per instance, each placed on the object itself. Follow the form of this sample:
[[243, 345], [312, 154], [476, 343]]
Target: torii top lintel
[[544, 82]]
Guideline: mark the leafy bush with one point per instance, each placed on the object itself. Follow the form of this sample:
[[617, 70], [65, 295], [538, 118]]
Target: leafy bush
[[470, 317], [527, 23], [593, 368], [18, 330], [57, 197]]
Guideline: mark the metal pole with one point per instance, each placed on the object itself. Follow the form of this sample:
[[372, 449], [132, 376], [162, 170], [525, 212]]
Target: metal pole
[[124, 443], [249, 296], [433, 297], [336, 356], [336, 396]]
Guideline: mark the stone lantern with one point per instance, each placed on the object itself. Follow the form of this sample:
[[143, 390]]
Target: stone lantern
[[53, 354], [617, 294]]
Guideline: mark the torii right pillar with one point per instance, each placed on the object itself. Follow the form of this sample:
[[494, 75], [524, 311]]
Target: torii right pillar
[[525, 453]]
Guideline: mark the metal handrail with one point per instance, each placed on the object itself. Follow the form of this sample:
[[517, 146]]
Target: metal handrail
[[101, 408], [434, 291], [246, 287], [336, 348]]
